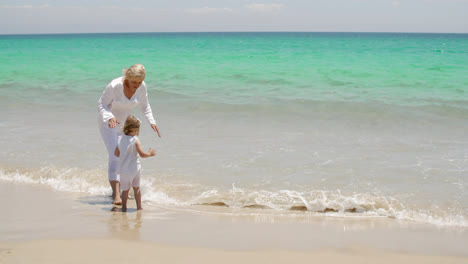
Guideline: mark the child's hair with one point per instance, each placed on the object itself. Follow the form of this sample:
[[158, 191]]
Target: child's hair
[[131, 124]]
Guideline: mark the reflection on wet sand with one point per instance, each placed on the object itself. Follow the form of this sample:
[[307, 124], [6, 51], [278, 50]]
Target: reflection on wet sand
[[125, 225]]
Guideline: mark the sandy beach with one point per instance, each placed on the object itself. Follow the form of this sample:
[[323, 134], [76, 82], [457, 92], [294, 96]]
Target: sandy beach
[[121, 251], [40, 225], [283, 132]]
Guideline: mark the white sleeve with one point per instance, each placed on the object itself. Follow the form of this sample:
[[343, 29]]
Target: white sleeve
[[145, 106], [106, 99]]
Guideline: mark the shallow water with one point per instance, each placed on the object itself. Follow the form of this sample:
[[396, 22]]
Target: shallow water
[[343, 124]]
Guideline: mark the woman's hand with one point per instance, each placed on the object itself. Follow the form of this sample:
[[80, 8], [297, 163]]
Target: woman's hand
[[155, 128], [113, 122]]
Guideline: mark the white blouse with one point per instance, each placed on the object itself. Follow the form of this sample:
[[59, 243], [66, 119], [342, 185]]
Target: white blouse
[[114, 103]]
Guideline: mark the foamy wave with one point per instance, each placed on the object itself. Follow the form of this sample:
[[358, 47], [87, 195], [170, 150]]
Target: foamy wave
[[329, 203], [282, 202], [155, 196], [67, 180], [78, 180]]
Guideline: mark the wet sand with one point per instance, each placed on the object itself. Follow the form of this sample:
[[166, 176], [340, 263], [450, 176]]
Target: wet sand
[[39, 225]]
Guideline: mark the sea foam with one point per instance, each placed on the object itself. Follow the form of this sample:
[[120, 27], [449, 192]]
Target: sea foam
[[244, 201]]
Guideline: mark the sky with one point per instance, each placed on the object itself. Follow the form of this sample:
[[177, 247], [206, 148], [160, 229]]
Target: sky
[[96, 16]]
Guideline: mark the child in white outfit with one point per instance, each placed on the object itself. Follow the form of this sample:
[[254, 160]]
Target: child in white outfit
[[128, 148]]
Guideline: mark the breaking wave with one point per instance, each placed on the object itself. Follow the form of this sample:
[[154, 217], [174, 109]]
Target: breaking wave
[[281, 202]]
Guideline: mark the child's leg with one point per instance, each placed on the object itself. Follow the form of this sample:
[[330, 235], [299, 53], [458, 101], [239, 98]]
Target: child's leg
[[124, 200], [137, 193]]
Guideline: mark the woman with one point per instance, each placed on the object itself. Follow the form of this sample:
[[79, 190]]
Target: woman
[[118, 99]]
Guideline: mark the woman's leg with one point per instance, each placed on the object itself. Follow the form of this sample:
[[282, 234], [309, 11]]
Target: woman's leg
[[116, 192], [109, 136], [114, 178]]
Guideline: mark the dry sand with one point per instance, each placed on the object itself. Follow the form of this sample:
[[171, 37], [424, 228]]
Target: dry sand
[[122, 251], [39, 225]]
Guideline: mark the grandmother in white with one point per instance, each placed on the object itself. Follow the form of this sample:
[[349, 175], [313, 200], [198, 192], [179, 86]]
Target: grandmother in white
[[118, 99]]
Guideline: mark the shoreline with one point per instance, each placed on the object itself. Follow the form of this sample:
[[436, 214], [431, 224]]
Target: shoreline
[[40, 220], [325, 205]]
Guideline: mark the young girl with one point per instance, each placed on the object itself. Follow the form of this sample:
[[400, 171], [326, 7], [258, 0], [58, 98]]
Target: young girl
[[128, 148]]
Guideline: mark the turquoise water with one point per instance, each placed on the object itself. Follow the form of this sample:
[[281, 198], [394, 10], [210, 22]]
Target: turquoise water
[[399, 68], [342, 124]]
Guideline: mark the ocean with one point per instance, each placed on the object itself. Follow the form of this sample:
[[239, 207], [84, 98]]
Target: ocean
[[267, 124]]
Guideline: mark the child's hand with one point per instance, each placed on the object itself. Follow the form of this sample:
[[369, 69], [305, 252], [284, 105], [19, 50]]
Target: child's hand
[[152, 152]]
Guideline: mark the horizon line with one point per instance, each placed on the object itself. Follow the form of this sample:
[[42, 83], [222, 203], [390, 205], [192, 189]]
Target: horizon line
[[271, 31]]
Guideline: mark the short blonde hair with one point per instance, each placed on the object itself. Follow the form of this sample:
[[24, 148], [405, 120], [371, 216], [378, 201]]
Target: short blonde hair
[[131, 124], [135, 72]]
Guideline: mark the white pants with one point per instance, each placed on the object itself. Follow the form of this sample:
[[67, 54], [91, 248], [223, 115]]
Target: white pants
[[110, 136]]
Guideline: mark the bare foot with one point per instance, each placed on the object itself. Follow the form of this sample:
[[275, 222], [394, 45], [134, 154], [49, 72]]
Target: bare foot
[[117, 202], [124, 209], [141, 208]]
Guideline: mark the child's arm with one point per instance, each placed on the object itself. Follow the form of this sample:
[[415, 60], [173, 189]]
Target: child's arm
[[117, 151], [143, 154]]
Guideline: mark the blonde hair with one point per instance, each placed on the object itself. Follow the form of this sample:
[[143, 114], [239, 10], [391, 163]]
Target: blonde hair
[[135, 72], [131, 124]]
